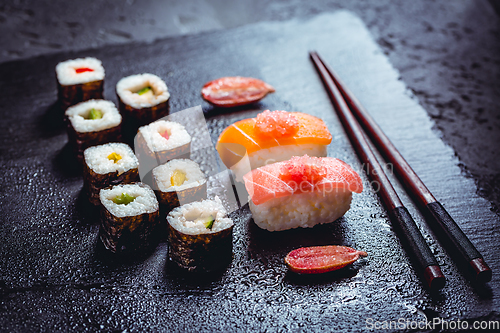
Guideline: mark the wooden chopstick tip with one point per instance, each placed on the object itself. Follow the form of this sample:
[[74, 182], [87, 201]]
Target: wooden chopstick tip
[[434, 277], [482, 270]]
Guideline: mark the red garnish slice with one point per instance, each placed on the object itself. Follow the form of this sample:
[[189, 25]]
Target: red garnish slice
[[321, 259], [276, 124], [83, 70], [165, 135], [235, 90]]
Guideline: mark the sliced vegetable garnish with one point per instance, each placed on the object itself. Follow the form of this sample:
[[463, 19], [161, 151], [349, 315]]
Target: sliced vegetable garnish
[[234, 91], [83, 70], [144, 90], [165, 135], [95, 114], [321, 259], [123, 199], [210, 222], [114, 156], [178, 178]]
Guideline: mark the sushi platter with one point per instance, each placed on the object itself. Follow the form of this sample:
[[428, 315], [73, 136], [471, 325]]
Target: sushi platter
[[97, 234]]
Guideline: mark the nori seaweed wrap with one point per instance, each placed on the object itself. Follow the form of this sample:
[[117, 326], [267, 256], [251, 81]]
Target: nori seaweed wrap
[[92, 123], [79, 80], [200, 236], [106, 165], [129, 216]]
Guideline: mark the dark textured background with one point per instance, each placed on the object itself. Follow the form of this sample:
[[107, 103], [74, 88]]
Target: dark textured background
[[55, 277]]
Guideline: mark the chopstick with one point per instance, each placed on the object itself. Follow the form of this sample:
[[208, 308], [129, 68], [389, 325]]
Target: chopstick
[[401, 219], [455, 238]]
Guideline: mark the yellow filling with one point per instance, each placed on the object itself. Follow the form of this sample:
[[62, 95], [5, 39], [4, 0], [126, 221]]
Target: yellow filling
[[178, 178], [114, 157]]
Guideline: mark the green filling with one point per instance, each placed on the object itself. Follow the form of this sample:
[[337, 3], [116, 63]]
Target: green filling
[[123, 199], [144, 90], [95, 114], [210, 222]]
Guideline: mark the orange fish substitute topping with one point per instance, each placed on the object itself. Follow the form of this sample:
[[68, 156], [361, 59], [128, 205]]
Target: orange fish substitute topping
[[250, 132]]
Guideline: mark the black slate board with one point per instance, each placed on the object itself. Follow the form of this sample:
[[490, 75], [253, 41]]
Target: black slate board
[[55, 277]]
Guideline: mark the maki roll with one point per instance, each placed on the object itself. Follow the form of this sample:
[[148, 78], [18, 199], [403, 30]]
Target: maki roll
[[108, 164], [129, 215], [200, 236], [142, 98], [79, 80], [162, 141], [92, 123], [179, 182]]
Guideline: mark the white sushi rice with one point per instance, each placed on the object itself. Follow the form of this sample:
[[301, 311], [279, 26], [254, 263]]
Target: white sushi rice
[[78, 113], [67, 75], [128, 87], [145, 200], [301, 210], [97, 158], [163, 174], [178, 136], [190, 218], [275, 154]]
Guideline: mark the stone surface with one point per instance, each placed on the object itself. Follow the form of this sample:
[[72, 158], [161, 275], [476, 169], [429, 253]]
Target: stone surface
[[54, 275]]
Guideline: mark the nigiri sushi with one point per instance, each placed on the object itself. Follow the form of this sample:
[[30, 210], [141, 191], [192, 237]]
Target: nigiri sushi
[[301, 192], [271, 137]]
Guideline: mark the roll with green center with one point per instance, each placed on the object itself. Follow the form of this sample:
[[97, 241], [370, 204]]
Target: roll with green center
[[92, 123], [129, 217], [200, 236]]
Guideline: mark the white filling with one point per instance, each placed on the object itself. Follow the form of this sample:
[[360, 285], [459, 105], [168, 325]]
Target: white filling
[[145, 200], [190, 218], [67, 75], [128, 87], [178, 136], [275, 154], [97, 158], [163, 175], [78, 113]]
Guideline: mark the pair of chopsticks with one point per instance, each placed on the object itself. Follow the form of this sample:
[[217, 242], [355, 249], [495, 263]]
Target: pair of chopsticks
[[356, 121]]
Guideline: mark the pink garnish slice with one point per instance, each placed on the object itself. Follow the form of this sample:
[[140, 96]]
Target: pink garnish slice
[[83, 70], [276, 124], [321, 259], [165, 135], [234, 91]]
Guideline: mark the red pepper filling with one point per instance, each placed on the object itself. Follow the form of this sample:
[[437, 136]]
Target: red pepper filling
[[83, 70], [165, 135]]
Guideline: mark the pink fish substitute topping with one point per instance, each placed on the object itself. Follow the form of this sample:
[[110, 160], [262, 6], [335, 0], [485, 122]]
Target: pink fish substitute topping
[[299, 175], [276, 124]]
